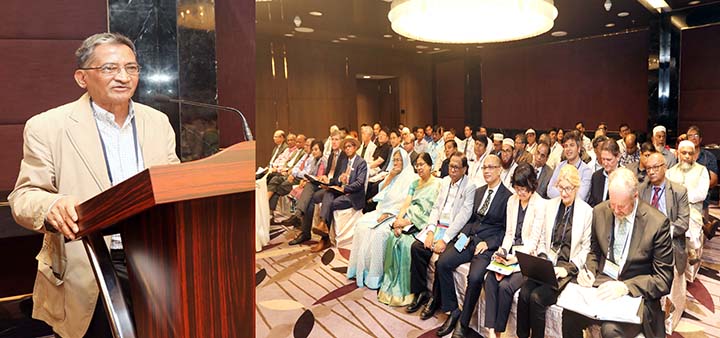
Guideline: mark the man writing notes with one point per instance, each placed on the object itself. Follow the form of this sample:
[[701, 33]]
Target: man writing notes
[[72, 153], [630, 254]]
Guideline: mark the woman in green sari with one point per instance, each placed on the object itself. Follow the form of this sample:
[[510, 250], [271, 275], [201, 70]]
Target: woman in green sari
[[395, 288]]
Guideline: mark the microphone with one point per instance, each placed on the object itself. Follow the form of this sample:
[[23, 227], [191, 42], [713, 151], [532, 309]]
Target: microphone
[[165, 98]]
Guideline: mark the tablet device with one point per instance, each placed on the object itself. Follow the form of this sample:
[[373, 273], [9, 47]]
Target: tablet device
[[538, 269]]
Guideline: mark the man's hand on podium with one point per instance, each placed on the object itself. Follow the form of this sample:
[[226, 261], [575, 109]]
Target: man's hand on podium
[[62, 216]]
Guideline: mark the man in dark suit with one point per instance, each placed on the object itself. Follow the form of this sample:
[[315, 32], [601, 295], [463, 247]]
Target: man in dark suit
[[347, 191], [280, 145], [609, 157], [485, 231], [672, 200], [543, 172], [631, 254], [409, 145]]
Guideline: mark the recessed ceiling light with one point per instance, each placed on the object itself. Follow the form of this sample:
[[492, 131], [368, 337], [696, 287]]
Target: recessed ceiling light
[[387, 35], [623, 14], [609, 25], [343, 39], [558, 33], [304, 29], [421, 47], [352, 36], [367, 76], [693, 2], [436, 48], [478, 46], [419, 52], [335, 41], [289, 35], [315, 13]]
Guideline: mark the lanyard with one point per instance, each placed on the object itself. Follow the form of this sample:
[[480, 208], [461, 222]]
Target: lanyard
[[448, 194], [104, 149]]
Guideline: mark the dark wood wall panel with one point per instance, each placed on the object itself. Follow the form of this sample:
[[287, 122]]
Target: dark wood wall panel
[[700, 81], [235, 53], [321, 87], [593, 80], [368, 101], [11, 137], [54, 20], [33, 82], [450, 92]]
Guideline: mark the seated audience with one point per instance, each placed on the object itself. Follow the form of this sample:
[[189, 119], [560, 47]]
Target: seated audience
[[484, 233], [282, 182], [632, 151], [450, 148], [609, 158], [659, 137], [436, 147], [531, 141], [372, 230], [571, 148], [672, 200], [481, 150], [695, 178], [525, 215], [413, 216], [311, 165], [497, 143], [624, 131], [564, 240], [586, 142], [349, 194], [556, 149], [596, 164], [508, 163], [367, 146], [705, 158], [467, 144], [644, 270], [420, 142], [543, 173], [328, 141], [638, 168], [451, 210], [280, 145]]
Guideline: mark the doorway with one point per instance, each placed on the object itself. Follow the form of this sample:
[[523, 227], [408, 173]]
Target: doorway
[[378, 100]]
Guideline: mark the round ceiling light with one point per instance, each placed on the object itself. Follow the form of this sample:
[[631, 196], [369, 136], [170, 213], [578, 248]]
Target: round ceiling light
[[387, 36], [623, 14], [471, 21], [610, 25], [558, 34]]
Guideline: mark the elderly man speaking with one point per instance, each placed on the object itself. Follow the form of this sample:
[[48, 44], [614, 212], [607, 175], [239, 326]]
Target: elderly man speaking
[[72, 153]]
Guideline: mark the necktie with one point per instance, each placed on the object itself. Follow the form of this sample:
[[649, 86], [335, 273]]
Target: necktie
[[467, 140], [537, 173], [620, 240], [486, 203], [655, 197], [331, 173], [362, 152]]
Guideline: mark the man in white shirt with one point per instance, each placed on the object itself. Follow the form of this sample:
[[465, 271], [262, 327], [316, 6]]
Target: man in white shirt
[[468, 143], [420, 142], [508, 163], [586, 142], [624, 131], [531, 144], [659, 137], [367, 146]]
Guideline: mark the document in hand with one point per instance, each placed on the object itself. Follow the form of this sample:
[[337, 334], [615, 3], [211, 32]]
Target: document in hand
[[586, 302], [314, 180]]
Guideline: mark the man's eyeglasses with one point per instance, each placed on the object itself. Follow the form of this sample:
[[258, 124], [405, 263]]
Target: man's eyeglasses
[[655, 167], [454, 167], [114, 69], [490, 167]]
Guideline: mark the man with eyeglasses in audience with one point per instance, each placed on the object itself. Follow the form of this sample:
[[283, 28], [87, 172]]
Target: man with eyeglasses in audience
[[72, 153], [507, 160], [672, 200], [609, 158], [542, 171]]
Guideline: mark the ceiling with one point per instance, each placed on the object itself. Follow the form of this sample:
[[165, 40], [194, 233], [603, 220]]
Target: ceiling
[[365, 22]]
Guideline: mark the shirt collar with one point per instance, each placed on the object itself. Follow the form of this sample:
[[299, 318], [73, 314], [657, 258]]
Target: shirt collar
[[103, 115]]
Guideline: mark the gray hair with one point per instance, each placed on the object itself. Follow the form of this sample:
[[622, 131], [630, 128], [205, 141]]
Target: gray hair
[[86, 50], [623, 177]]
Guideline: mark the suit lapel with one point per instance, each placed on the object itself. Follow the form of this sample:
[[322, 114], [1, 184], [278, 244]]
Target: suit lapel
[[550, 220], [669, 203], [480, 193], [85, 139], [637, 233]]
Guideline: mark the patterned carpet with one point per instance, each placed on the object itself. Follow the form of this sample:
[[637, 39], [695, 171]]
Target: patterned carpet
[[302, 294]]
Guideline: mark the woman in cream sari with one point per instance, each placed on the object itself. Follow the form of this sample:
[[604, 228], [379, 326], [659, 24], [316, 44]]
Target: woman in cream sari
[[373, 228], [395, 289]]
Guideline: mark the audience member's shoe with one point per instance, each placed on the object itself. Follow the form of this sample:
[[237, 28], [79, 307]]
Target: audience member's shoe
[[461, 331], [323, 244], [449, 324], [321, 229], [300, 239], [418, 302], [429, 309]]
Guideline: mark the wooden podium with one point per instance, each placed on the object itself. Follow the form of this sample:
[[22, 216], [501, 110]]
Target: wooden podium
[[188, 234]]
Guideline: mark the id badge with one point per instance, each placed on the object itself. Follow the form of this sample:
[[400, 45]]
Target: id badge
[[611, 269], [461, 242], [445, 218], [552, 256], [518, 248]]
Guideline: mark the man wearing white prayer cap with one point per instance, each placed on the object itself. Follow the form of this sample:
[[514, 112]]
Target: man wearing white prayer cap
[[530, 135], [508, 163], [659, 138], [497, 143]]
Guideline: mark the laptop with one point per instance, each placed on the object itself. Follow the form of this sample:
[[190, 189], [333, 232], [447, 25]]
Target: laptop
[[538, 269]]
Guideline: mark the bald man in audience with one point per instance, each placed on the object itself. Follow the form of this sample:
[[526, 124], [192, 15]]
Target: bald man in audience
[[695, 178], [609, 158], [644, 270], [632, 151], [572, 143], [671, 199], [280, 145]]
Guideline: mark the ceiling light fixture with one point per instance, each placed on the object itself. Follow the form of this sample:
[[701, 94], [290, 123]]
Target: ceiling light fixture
[[471, 21], [335, 41], [623, 14], [610, 25], [352, 36], [289, 35], [558, 34], [608, 5], [693, 2], [387, 36], [304, 29], [659, 5], [297, 21], [343, 39], [315, 13]]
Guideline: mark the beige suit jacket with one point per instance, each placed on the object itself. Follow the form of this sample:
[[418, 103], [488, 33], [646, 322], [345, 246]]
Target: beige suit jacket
[[62, 155], [532, 223]]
